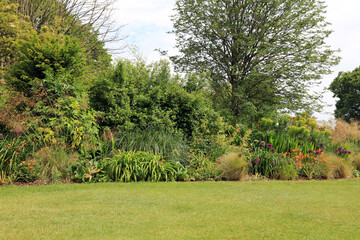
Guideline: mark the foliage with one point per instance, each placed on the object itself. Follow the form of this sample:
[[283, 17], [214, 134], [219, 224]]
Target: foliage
[[285, 133], [171, 146], [12, 153], [265, 160], [140, 166], [286, 170], [137, 95], [346, 87], [234, 166], [202, 168], [89, 21], [48, 66], [341, 151], [261, 54], [55, 163], [69, 121], [12, 27]]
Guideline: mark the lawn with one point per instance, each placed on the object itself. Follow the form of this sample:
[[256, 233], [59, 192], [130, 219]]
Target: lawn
[[183, 210]]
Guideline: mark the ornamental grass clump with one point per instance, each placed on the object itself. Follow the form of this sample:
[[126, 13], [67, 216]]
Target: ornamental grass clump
[[234, 166], [346, 132], [356, 161], [341, 168]]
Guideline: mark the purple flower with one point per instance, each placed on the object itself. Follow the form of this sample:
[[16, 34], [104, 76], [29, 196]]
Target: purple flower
[[262, 143], [17, 133], [321, 145], [257, 160], [269, 145], [344, 151], [317, 152], [240, 155], [349, 152], [336, 150], [272, 150], [311, 151], [340, 148]]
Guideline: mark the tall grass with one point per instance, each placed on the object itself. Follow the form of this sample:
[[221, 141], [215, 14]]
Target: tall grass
[[346, 132], [55, 163], [160, 142]]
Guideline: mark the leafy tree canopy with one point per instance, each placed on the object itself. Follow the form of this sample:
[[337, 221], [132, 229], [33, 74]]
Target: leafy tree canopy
[[136, 95], [346, 87], [261, 54]]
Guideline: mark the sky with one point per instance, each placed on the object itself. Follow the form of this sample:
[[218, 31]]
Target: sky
[[147, 23]]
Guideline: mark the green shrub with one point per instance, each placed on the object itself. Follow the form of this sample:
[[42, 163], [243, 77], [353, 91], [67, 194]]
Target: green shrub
[[49, 66], [234, 166], [140, 166], [69, 121], [137, 95]]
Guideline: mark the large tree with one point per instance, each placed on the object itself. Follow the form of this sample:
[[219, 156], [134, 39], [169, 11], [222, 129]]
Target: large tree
[[346, 87], [261, 53]]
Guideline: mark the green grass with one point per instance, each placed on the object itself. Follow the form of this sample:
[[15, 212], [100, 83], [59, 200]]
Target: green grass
[[193, 210]]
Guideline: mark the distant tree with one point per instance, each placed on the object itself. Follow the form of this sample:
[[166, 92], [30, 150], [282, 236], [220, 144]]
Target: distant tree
[[261, 54], [346, 87]]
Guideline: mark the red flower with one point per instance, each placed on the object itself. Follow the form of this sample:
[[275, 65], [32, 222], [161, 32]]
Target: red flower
[[257, 124], [295, 119]]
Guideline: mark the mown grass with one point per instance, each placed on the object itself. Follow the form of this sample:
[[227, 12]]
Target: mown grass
[[192, 210]]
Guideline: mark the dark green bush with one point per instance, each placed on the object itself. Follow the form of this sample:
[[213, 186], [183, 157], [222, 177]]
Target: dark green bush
[[141, 96]]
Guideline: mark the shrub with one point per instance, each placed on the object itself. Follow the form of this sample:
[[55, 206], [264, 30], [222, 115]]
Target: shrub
[[137, 95], [234, 166], [69, 121], [140, 166], [48, 65]]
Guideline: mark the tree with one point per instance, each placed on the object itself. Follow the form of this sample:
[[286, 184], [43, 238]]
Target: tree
[[346, 87], [89, 21], [261, 54], [12, 27]]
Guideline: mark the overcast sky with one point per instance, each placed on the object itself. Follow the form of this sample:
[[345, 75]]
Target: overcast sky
[[148, 21]]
